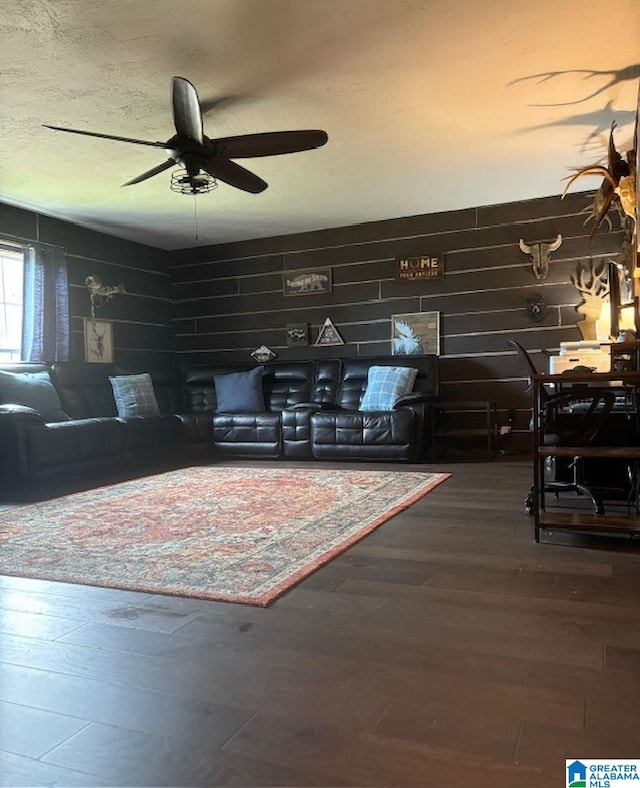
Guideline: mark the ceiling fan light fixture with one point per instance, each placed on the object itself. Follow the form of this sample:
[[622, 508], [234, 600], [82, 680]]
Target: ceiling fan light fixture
[[203, 157], [183, 183]]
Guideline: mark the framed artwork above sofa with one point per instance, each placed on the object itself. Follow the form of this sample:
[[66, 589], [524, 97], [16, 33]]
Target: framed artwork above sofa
[[98, 341], [415, 334]]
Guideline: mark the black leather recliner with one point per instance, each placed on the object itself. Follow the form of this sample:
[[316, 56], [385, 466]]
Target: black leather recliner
[[399, 434]]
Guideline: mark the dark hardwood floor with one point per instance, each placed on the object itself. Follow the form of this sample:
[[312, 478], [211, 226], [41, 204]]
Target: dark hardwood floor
[[446, 649]]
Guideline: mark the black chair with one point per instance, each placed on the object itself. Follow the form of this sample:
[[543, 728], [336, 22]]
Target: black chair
[[574, 417]]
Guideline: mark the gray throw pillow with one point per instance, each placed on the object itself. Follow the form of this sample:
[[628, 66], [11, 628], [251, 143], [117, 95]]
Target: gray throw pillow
[[240, 392], [134, 395], [33, 390], [385, 385]]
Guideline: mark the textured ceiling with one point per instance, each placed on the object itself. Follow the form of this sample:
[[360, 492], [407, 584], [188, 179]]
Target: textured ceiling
[[430, 105]]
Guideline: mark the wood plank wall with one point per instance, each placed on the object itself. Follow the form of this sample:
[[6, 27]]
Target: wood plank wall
[[141, 317], [228, 299]]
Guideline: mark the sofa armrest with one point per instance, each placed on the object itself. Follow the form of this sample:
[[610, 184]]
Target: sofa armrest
[[197, 428], [17, 422], [414, 398], [314, 406], [21, 414]]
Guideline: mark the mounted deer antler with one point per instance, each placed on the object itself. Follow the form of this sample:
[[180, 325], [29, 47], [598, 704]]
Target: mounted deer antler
[[540, 252], [593, 286], [615, 176]]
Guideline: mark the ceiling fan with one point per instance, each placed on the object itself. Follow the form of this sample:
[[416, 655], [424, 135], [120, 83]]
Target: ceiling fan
[[198, 153]]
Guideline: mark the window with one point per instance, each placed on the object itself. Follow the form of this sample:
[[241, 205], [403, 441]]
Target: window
[[11, 299]]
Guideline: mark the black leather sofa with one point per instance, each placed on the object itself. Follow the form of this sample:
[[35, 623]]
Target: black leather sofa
[[310, 412], [90, 443]]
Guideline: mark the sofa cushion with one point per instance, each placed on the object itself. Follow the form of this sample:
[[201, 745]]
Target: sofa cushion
[[34, 390], [247, 434], [77, 443], [134, 395], [151, 433], [385, 385], [240, 392], [287, 383], [349, 435], [84, 388]]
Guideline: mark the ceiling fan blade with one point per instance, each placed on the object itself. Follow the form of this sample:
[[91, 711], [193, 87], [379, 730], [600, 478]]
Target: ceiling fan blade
[[270, 143], [107, 136], [150, 173], [187, 116], [234, 175]]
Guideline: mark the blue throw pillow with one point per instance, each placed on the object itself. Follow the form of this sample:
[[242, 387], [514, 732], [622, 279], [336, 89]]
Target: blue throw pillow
[[134, 395], [240, 392], [385, 385], [34, 390]]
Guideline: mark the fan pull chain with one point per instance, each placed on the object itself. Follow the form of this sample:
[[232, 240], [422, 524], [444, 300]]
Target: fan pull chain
[[195, 215]]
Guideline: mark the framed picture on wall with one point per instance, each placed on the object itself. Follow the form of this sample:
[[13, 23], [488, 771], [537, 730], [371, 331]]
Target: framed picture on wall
[[416, 334], [98, 341]]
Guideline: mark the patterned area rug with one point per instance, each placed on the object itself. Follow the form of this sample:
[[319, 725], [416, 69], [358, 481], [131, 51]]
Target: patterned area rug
[[233, 534]]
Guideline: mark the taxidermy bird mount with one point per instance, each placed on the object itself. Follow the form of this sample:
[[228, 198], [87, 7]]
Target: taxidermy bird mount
[[99, 293], [198, 154]]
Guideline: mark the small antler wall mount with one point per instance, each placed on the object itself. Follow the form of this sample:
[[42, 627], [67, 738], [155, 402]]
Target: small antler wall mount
[[592, 282], [539, 252]]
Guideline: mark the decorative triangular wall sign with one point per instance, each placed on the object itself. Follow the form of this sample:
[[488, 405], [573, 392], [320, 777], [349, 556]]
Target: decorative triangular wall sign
[[328, 334]]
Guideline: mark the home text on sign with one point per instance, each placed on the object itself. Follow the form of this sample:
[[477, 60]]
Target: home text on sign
[[419, 268]]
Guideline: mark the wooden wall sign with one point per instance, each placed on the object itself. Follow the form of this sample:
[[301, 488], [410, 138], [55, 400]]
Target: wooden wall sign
[[419, 268], [297, 334], [263, 354], [328, 334], [308, 281]]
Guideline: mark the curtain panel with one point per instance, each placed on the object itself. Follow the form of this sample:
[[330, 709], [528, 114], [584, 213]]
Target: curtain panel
[[45, 333]]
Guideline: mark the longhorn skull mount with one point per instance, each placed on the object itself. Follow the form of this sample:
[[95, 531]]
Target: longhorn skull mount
[[540, 251]]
